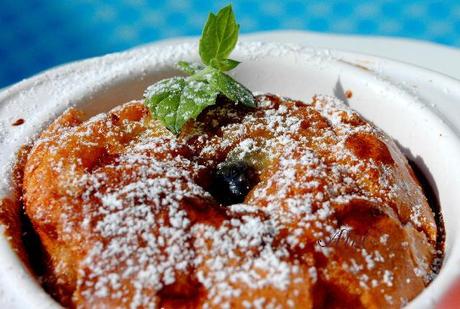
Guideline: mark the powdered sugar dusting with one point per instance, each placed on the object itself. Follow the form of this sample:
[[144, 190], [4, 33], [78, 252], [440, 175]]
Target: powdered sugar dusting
[[136, 211]]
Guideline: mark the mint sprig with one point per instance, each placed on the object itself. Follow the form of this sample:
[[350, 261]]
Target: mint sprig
[[219, 37], [176, 100]]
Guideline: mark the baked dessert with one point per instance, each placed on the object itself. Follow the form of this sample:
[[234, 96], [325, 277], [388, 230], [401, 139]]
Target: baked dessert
[[206, 196], [129, 214]]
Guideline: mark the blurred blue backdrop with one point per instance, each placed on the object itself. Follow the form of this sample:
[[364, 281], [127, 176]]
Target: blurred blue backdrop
[[38, 34]]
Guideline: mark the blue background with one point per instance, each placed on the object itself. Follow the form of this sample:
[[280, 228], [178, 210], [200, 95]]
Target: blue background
[[38, 34]]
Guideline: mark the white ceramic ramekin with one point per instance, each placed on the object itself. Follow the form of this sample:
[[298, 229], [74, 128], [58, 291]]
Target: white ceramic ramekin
[[425, 122]]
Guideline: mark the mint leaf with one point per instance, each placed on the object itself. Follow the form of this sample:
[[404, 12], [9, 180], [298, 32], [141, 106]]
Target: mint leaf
[[189, 68], [220, 35], [166, 111], [196, 96], [163, 99], [207, 49], [224, 64], [232, 89], [176, 100], [162, 89], [227, 32]]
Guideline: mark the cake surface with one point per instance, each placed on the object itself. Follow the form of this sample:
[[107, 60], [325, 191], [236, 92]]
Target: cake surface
[[130, 215]]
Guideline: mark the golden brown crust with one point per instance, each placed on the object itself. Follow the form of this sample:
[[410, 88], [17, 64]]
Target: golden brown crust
[[123, 209]]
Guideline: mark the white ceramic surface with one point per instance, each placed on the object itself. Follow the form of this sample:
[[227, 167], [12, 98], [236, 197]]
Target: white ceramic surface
[[416, 107], [436, 57]]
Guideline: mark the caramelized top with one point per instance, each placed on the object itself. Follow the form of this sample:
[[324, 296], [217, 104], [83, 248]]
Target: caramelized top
[[129, 215]]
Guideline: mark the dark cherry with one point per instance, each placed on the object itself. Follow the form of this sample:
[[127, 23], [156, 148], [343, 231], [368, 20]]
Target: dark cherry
[[232, 181]]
